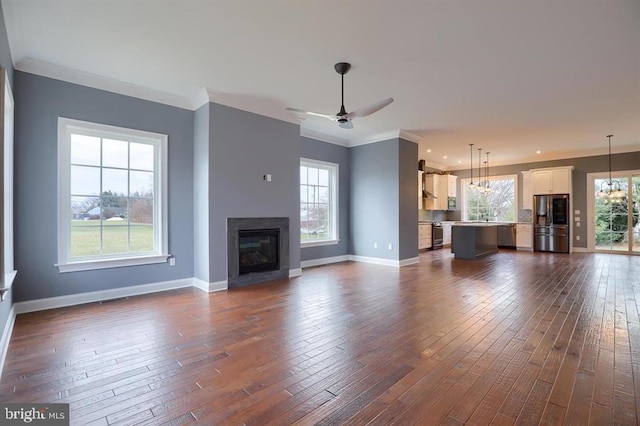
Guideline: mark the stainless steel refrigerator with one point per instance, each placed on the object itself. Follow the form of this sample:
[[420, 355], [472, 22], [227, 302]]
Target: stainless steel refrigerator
[[551, 223]]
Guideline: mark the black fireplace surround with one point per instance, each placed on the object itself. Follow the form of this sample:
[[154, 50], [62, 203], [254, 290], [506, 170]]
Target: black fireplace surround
[[257, 250]]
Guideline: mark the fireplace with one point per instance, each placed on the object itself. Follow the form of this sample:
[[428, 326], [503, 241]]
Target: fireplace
[[257, 250]]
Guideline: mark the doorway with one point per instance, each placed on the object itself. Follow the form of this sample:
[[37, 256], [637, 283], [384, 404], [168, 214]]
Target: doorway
[[614, 222]]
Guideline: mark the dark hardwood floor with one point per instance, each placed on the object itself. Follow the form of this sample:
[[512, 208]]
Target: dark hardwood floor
[[515, 338]]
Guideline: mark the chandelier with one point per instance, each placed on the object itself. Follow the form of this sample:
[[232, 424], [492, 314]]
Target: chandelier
[[610, 190], [484, 185]]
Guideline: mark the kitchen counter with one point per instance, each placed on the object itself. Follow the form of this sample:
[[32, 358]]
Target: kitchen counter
[[471, 240]]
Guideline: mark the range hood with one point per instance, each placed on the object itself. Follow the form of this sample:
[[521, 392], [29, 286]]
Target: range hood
[[427, 195]]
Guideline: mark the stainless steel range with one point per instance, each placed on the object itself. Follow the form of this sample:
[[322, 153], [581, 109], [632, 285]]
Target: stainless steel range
[[437, 236]]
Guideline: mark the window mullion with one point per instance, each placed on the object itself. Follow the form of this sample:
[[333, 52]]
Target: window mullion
[[101, 241]]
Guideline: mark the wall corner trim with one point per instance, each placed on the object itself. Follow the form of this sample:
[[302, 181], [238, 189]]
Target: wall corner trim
[[6, 337]]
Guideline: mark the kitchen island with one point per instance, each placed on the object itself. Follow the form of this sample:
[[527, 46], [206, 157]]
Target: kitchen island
[[472, 240]]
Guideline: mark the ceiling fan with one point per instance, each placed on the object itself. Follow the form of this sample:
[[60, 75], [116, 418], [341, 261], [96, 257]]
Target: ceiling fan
[[343, 117]]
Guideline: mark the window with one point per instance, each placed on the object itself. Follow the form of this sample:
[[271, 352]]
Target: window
[[318, 203], [498, 203], [112, 196], [7, 271]]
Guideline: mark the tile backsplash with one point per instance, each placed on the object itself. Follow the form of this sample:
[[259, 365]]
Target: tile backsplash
[[525, 215]]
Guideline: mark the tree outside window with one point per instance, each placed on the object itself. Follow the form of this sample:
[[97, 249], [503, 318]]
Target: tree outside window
[[495, 201]]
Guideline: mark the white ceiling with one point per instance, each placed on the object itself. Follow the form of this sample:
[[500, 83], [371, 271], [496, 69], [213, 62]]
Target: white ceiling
[[510, 76]]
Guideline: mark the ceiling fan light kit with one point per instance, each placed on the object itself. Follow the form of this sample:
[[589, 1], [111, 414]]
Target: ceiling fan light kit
[[344, 118]]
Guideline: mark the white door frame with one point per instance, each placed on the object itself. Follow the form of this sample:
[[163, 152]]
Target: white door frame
[[591, 201]]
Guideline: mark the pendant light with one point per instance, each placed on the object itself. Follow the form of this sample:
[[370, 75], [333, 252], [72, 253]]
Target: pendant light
[[486, 174], [471, 185], [480, 187], [611, 194]]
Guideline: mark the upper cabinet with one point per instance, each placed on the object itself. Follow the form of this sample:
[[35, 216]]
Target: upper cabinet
[[442, 187], [451, 186], [556, 180]]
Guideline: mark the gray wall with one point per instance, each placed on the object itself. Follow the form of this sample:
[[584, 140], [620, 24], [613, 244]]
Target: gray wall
[[582, 166], [243, 147], [201, 209], [6, 63], [323, 151], [380, 173], [408, 199], [39, 103]]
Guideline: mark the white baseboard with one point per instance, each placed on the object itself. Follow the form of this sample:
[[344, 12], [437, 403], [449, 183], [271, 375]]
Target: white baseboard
[[210, 287], [385, 262], [6, 337], [409, 261], [581, 250], [295, 272], [96, 296], [324, 261]]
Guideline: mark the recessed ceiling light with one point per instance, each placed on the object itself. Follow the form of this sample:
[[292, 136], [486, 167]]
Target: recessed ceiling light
[[538, 152], [428, 150], [459, 161], [445, 157]]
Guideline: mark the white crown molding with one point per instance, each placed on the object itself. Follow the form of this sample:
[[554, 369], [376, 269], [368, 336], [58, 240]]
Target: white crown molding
[[409, 136], [436, 165], [398, 133], [313, 134], [204, 96], [95, 81]]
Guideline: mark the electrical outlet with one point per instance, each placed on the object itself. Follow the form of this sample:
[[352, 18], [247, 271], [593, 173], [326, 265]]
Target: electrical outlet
[[172, 261], [375, 245], [578, 237], [390, 246]]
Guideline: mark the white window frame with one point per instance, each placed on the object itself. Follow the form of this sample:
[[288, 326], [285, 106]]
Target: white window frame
[[7, 129], [464, 182], [334, 170], [160, 253]]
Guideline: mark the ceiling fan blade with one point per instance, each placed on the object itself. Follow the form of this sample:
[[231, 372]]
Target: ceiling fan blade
[[346, 125], [315, 114], [363, 112]]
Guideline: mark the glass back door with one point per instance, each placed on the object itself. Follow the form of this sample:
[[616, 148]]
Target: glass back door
[[617, 220]]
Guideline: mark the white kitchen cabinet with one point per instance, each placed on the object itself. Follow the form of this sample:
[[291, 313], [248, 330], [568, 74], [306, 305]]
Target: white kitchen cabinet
[[424, 236], [524, 236], [527, 191], [451, 186], [433, 185], [551, 181], [446, 233], [440, 186]]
